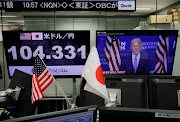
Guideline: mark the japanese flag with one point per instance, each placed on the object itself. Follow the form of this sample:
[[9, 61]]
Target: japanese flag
[[37, 35], [93, 75]]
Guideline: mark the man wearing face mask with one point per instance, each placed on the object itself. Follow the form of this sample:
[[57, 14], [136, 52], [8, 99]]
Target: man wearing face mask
[[135, 63]]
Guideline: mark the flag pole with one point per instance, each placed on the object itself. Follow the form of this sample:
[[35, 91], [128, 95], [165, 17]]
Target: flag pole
[[62, 92], [59, 88]]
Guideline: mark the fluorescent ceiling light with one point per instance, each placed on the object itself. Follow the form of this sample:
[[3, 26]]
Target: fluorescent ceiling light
[[7, 24], [8, 16], [143, 8], [15, 21], [40, 20], [134, 14], [11, 24]]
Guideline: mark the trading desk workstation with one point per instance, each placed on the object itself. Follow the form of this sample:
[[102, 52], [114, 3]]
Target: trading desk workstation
[[132, 65], [134, 97], [148, 91]]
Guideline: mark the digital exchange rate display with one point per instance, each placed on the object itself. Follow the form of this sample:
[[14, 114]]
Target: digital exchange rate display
[[64, 52]]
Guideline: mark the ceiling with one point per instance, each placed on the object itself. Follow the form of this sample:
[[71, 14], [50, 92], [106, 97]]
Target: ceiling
[[162, 5]]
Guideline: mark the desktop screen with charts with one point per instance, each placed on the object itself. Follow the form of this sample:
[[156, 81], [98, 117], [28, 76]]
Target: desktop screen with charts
[[78, 117]]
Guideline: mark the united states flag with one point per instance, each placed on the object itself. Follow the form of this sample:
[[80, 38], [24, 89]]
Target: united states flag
[[112, 53], [41, 79], [162, 55], [25, 36]]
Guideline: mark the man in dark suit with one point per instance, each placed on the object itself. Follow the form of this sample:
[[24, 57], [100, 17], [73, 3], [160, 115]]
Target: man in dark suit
[[135, 63]]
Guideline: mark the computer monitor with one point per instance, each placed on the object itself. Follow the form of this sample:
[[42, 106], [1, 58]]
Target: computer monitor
[[23, 105], [133, 89], [163, 92], [114, 114], [87, 98], [81, 114]]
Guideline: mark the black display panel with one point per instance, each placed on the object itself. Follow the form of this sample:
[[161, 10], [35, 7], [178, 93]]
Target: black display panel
[[164, 92], [135, 114], [64, 52], [156, 47], [23, 106], [87, 98], [133, 90]]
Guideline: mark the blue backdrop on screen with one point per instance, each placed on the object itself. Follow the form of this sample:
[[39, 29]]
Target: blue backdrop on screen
[[149, 40]]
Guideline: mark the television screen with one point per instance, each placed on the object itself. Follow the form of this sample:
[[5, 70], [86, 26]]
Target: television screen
[[137, 51], [64, 52]]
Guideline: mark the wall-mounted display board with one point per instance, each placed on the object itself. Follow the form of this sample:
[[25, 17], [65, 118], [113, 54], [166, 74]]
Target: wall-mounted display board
[[64, 52], [68, 5]]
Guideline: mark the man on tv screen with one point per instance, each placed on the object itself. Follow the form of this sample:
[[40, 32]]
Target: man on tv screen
[[135, 63], [137, 51]]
